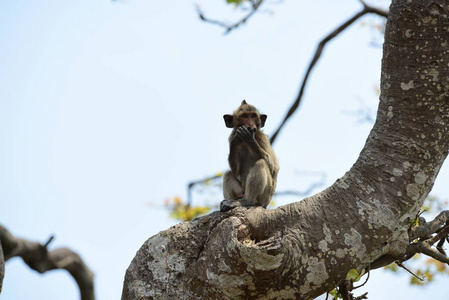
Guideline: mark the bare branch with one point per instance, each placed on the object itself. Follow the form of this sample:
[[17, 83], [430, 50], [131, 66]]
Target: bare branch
[[38, 258], [255, 4], [366, 280], [192, 184], [425, 235], [400, 264], [366, 9], [426, 249], [375, 10], [440, 246]]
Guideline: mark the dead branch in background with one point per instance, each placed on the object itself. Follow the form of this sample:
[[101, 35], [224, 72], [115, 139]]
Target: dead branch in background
[[254, 6], [205, 181], [366, 9], [37, 257]]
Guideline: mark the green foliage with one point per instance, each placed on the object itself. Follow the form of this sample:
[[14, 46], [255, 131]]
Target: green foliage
[[392, 267], [182, 211], [236, 2], [429, 269], [334, 293], [353, 275]]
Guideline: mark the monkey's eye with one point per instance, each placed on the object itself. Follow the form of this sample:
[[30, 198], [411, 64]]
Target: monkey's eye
[[245, 116], [253, 116]]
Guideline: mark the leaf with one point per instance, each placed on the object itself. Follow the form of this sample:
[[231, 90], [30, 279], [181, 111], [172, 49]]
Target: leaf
[[334, 293], [353, 274], [392, 267]]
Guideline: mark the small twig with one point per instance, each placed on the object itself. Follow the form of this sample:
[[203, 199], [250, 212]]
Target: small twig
[[429, 251], [49, 241], [229, 27], [443, 233], [405, 268], [192, 184], [364, 113], [367, 277], [440, 246], [363, 296], [344, 289]]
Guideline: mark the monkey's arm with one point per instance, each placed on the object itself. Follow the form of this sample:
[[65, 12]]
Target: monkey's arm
[[262, 150], [234, 161]]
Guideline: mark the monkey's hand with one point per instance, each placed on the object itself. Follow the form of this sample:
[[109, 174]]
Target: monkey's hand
[[226, 205], [246, 134]]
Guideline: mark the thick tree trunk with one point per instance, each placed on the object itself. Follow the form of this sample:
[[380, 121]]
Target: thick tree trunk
[[304, 249]]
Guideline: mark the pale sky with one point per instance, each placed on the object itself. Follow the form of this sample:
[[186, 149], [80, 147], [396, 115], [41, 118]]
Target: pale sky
[[108, 108]]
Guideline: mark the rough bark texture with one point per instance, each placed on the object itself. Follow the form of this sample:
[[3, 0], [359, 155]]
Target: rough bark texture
[[304, 249]]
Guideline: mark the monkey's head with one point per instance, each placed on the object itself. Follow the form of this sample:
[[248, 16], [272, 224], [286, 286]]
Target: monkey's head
[[245, 115]]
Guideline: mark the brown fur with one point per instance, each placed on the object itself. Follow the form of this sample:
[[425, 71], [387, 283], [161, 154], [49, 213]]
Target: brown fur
[[254, 165]]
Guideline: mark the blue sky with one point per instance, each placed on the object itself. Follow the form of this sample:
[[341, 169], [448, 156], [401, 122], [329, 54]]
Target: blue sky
[[108, 108]]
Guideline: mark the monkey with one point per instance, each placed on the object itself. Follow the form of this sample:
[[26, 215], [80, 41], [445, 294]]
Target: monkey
[[252, 177]]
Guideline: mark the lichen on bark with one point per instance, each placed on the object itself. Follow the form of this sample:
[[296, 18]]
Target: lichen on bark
[[304, 249]]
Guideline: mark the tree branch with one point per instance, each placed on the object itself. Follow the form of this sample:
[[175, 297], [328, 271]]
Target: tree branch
[[38, 258], [422, 238], [366, 9], [255, 4], [301, 250], [400, 264], [425, 229]]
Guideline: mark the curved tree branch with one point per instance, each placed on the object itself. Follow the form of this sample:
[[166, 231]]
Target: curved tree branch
[[38, 258], [366, 9], [304, 249]]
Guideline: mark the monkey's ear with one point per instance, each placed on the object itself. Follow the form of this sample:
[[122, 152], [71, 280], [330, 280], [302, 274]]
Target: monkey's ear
[[228, 121], [262, 120]]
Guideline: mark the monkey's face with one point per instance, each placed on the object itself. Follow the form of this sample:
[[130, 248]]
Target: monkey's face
[[245, 115], [250, 120]]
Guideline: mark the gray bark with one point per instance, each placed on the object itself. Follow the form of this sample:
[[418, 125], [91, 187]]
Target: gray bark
[[304, 249]]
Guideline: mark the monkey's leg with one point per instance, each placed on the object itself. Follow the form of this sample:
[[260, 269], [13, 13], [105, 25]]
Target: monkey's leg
[[258, 191], [232, 187], [232, 190]]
